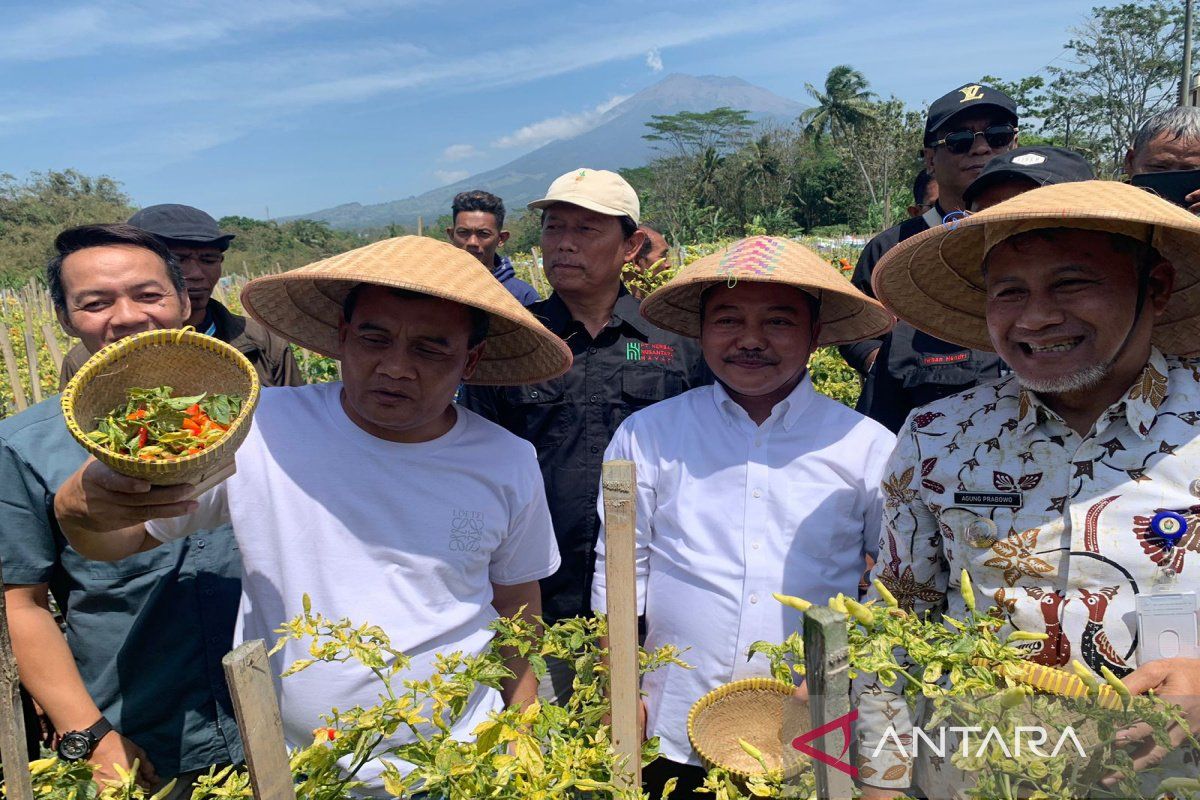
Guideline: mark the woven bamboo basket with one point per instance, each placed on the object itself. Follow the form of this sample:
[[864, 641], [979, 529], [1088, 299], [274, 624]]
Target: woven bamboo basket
[[188, 362], [762, 711]]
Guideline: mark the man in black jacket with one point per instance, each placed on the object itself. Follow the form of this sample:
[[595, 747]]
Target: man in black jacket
[[907, 368], [622, 363]]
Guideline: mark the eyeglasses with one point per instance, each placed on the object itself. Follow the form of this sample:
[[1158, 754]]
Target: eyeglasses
[[960, 142]]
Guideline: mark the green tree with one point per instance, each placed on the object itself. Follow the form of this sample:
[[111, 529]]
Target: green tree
[[1127, 56], [35, 209], [691, 132], [844, 104]]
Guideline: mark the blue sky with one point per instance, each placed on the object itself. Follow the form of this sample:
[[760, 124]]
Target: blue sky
[[286, 106]]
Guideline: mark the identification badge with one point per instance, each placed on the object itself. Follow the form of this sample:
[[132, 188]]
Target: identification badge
[[990, 499], [1166, 624]]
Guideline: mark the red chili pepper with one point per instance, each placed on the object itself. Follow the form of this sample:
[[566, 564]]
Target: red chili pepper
[[139, 414], [190, 424], [331, 733], [143, 436], [193, 410]]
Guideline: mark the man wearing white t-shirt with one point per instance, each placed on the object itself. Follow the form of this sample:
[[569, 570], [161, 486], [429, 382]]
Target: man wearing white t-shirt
[[751, 486], [377, 496]]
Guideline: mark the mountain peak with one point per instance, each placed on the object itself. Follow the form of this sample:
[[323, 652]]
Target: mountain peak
[[615, 143]]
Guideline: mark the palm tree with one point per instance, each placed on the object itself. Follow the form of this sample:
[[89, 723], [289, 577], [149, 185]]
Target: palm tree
[[845, 104]]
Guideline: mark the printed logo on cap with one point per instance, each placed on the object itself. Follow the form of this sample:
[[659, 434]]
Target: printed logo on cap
[[1029, 159], [971, 93]]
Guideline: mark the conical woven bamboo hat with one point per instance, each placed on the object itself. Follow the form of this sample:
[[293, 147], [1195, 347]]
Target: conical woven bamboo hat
[[934, 280], [303, 305], [847, 315]]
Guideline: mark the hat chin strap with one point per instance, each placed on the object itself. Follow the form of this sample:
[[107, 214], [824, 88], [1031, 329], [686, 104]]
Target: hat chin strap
[[1143, 288]]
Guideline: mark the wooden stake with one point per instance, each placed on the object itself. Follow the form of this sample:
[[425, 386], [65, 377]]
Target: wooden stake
[[56, 353], [827, 657], [248, 672], [10, 366], [31, 354], [13, 749], [620, 515]]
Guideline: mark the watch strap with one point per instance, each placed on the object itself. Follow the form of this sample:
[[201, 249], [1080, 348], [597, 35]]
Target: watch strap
[[99, 730]]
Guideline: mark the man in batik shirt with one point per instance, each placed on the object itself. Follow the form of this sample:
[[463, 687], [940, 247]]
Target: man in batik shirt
[[1043, 485]]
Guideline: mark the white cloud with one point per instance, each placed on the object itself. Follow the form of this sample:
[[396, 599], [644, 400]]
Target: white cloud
[[654, 60], [561, 127], [265, 90], [459, 152], [124, 25], [445, 176]]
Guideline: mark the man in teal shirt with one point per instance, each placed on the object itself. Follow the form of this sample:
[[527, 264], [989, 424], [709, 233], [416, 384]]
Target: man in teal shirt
[[138, 674]]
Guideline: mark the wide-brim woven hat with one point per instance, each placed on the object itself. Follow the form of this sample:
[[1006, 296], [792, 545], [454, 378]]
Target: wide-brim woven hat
[[847, 315], [304, 305], [763, 712], [934, 280], [190, 363]]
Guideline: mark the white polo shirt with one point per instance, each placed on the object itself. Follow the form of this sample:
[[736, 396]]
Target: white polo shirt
[[729, 512], [409, 537]]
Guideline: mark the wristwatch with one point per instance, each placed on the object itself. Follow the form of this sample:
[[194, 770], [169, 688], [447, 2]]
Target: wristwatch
[[78, 745]]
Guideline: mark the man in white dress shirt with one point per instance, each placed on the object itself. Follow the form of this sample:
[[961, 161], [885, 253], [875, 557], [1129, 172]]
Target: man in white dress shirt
[[754, 485]]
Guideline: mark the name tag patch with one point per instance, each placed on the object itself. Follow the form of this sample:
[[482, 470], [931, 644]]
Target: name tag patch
[[991, 499], [950, 358]]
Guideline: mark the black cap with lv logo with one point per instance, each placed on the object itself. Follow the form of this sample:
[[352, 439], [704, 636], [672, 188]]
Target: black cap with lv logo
[[968, 97]]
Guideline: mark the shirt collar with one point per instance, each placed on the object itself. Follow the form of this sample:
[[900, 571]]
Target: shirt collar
[[1139, 406], [557, 317], [628, 311], [786, 412]]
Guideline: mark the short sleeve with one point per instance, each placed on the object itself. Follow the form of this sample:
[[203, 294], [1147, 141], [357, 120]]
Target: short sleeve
[[528, 551], [212, 513], [28, 552]]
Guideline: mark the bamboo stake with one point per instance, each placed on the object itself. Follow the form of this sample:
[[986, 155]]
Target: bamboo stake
[[620, 515], [10, 365], [13, 749], [31, 355], [827, 655], [56, 353], [248, 673]]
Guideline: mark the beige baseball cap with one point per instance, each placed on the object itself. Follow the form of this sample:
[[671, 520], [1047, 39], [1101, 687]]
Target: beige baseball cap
[[596, 190]]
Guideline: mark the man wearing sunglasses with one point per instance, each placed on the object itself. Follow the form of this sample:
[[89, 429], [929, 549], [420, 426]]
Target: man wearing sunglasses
[[907, 368]]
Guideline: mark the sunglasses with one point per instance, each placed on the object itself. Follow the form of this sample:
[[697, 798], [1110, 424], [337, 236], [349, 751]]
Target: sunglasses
[[960, 142]]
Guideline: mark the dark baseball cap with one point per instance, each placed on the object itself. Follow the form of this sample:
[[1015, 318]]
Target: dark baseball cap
[[968, 97], [1040, 164], [183, 224]]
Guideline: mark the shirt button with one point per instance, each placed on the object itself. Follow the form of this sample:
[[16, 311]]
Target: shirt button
[[200, 544], [1194, 488], [591, 351], [758, 442], [754, 546], [753, 598], [756, 493], [595, 448], [594, 398], [534, 395]]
